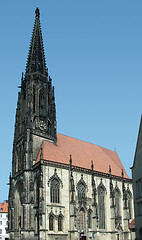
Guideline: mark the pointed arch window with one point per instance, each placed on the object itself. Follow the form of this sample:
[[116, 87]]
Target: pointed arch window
[[129, 197], [101, 207], [51, 222], [36, 193], [81, 221], [55, 191], [81, 191], [60, 223], [36, 223], [89, 218], [42, 104], [117, 203]]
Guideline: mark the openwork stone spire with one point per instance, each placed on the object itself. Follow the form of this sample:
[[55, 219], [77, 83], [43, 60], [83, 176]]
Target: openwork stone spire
[[36, 57]]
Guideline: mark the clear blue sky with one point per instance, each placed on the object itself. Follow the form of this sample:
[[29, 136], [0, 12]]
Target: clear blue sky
[[94, 55]]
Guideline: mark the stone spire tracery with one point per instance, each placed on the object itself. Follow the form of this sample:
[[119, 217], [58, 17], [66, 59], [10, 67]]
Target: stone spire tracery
[[36, 57]]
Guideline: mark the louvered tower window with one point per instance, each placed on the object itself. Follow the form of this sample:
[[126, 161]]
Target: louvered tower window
[[42, 104]]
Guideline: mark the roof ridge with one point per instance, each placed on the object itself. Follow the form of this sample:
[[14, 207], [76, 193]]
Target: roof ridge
[[84, 141], [82, 152]]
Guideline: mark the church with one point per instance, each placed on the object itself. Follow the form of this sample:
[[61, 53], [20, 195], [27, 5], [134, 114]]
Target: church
[[61, 188]]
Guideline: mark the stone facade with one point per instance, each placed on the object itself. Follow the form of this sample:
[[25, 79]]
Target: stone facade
[[53, 200]]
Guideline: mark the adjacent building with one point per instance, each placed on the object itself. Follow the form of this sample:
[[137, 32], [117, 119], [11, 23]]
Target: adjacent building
[[4, 221], [137, 184], [61, 188]]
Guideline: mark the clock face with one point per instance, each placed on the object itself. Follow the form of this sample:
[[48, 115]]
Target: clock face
[[42, 125]]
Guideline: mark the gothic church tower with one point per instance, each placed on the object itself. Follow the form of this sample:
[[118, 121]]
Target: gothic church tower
[[66, 189], [35, 121]]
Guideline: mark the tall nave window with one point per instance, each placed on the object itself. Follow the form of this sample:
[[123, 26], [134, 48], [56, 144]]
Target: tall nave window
[[101, 207], [55, 191]]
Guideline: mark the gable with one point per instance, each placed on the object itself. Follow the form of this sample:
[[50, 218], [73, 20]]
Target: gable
[[82, 155]]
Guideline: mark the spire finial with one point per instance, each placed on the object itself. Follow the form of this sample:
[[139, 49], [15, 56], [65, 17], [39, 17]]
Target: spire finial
[[37, 12], [36, 57]]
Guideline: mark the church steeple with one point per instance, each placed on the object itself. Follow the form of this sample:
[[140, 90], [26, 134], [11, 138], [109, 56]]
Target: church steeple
[[36, 58], [36, 109]]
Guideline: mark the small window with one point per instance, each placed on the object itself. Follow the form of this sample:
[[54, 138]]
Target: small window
[[51, 219], [60, 223], [0, 222], [89, 219], [0, 231]]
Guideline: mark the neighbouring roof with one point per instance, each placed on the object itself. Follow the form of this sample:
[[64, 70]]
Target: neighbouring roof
[[82, 154], [132, 224], [3, 207]]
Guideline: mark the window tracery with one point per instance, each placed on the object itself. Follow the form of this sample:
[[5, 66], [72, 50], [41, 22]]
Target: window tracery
[[101, 205], [55, 183], [81, 189], [55, 191], [81, 220], [60, 223], [51, 222], [117, 204], [117, 195], [89, 218]]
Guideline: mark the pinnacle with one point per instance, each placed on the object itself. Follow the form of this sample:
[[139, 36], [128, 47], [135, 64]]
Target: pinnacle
[[37, 12], [36, 57]]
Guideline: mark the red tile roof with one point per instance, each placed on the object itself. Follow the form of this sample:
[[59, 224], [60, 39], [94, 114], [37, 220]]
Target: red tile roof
[[3, 207], [82, 154]]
